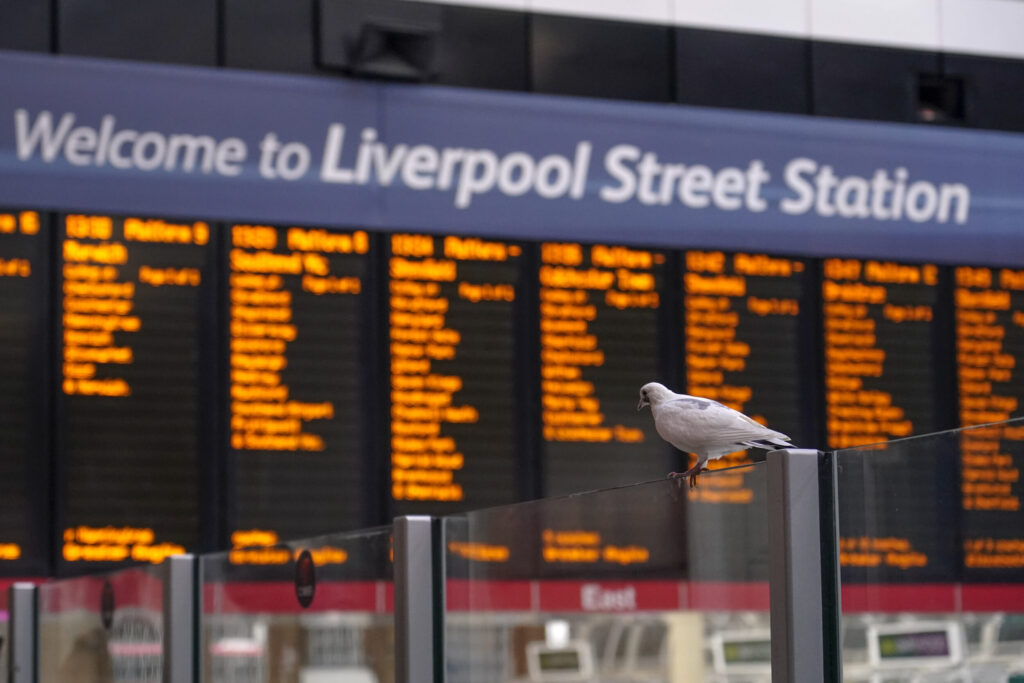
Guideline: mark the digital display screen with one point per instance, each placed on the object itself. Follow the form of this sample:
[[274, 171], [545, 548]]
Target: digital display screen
[[881, 361], [559, 660], [599, 343], [747, 651], [913, 645], [23, 474], [880, 355], [742, 347], [129, 385], [452, 304], [742, 323], [297, 334], [989, 319]]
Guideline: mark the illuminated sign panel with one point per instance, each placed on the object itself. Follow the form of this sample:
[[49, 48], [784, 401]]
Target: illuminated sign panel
[[599, 343], [879, 350], [742, 324], [130, 291], [989, 315], [452, 305], [23, 273], [297, 334], [881, 383]]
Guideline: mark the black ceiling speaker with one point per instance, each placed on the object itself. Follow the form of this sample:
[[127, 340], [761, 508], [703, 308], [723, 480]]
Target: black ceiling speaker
[[387, 39], [940, 98], [394, 50]]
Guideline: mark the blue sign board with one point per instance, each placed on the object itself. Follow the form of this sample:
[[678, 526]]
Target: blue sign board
[[92, 135]]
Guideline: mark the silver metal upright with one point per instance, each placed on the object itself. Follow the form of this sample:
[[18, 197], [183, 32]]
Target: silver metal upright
[[803, 576], [418, 600], [180, 625], [23, 654]]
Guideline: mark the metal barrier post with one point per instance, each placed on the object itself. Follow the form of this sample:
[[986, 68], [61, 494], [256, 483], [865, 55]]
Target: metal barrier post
[[803, 575], [23, 657], [180, 625], [419, 600]]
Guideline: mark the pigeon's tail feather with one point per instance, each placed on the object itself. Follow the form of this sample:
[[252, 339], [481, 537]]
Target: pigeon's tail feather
[[768, 444]]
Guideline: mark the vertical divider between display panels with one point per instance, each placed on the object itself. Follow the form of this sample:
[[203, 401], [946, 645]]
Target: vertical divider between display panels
[[803, 572], [216, 510], [419, 600], [22, 656]]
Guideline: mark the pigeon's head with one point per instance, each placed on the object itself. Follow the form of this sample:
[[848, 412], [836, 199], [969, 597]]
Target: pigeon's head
[[652, 393]]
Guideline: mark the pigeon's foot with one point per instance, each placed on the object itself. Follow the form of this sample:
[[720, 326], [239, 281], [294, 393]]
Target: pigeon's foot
[[690, 475]]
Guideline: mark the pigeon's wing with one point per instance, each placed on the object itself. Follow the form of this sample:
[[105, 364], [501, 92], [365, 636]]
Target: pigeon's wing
[[734, 426], [713, 424]]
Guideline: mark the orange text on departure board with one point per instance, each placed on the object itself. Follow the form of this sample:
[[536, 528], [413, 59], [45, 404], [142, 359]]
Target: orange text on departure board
[[260, 547], [619, 278], [479, 552], [994, 553], [984, 325], [856, 296], [23, 223], [725, 488], [265, 416], [871, 552], [715, 288], [116, 544], [588, 547], [989, 340], [425, 459], [99, 295]]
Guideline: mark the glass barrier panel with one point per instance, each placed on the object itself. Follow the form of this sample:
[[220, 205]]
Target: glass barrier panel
[[932, 557], [648, 583], [319, 610], [104, 627], [5, 640]]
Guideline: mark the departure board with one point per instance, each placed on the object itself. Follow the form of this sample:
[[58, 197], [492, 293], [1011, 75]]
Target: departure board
[[599, 343], [881, 365], [742, 347], [24, 538], [989, 305], [129, 379], [880, 355], [297, 335], [452, 305]]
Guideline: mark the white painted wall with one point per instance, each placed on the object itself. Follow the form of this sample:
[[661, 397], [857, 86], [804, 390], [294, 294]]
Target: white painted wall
[[981, 27]]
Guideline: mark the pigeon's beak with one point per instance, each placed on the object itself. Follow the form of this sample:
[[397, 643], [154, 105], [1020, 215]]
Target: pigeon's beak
[[643, 402]]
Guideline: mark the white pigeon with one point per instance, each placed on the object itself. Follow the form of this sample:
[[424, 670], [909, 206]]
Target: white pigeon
[[704, 427]]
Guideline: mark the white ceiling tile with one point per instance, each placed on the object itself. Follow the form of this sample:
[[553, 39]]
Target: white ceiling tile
[[988, 27], [898, 23], [779, 17], [648, 11]]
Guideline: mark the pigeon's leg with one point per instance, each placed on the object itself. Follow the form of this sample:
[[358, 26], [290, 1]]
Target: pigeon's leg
[[678, 476], [697, 469], [691, 474]]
